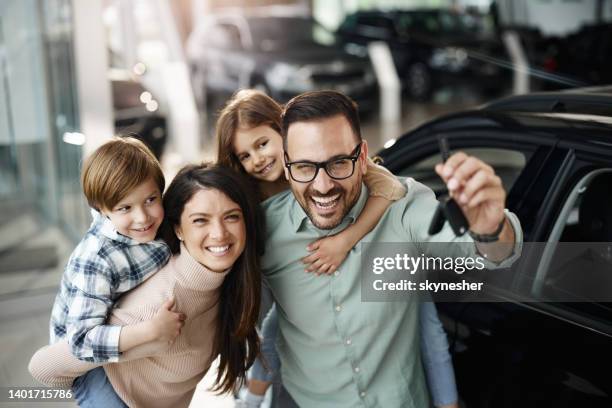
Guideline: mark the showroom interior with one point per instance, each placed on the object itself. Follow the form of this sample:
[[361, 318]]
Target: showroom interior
[[73, 73]]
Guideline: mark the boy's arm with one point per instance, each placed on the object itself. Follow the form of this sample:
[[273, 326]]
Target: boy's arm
[[89, 305], [384, 188], [91, 339]]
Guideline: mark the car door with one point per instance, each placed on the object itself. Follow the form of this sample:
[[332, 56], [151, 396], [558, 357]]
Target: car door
[[517, 354]]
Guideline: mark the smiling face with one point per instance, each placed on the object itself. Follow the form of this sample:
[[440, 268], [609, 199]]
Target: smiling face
[[213, 230], [139, 214], [325, 200], [260, 152]]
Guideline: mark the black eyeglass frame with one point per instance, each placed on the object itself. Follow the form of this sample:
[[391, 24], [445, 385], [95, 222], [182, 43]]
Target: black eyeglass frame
[[353, 157]]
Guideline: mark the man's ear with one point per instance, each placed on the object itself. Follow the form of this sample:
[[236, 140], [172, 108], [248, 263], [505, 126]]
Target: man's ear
[[363, 157], [285, 168]]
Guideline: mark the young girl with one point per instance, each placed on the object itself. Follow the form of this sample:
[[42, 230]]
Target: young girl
[[249, 140]]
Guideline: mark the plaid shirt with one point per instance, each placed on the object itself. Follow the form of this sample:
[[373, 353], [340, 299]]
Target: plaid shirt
[[104, 265]]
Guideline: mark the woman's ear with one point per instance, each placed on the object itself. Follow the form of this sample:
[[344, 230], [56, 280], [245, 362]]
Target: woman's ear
[[179, 233]]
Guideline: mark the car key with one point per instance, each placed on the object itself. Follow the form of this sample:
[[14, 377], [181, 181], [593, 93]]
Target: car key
[[448, 209]]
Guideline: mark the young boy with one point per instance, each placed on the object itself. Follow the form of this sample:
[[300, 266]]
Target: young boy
[[123, 183]]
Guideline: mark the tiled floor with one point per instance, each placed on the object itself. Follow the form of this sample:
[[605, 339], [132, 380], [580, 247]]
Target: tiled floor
[[26, 295]]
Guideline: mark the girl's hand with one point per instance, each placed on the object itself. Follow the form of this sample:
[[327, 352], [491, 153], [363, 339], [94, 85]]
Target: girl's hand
[[326, 255]]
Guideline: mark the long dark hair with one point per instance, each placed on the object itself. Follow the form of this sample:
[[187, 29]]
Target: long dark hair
[[236, 339]]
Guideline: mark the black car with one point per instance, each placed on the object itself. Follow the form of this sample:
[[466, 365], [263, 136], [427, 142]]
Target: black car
[[283, 56], [432, 48], [583, 57], [553, 152]]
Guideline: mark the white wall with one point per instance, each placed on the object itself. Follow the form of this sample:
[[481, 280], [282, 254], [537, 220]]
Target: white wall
[[560, 17], [552, 17]]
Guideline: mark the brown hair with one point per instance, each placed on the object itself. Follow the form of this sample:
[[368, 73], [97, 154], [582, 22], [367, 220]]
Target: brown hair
[[247, 109], [318, 105], [115, 169], [236, 340]]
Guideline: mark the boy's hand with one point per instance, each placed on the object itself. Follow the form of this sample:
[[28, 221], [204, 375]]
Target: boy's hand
[[167, 324], [326, 255]]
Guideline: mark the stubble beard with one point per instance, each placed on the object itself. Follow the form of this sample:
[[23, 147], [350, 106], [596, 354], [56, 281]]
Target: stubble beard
[[346, 201]]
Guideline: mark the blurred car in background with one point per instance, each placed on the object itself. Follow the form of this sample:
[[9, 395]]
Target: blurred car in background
[[283, 56], [553, 152], [432, 48], [137, 112], [583, 57]]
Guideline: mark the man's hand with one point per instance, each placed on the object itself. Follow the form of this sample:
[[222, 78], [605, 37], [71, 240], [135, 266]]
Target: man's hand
[[167, 324], [477, 189]]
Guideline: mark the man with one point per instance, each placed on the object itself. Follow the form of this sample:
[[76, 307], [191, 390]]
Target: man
[[337, 351]]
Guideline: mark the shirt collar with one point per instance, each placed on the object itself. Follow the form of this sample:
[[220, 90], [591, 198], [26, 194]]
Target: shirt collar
[[107, 229], [299, 218]]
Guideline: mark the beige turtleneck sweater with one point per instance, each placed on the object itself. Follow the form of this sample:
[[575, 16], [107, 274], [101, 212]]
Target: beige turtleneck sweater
[[152, 375]]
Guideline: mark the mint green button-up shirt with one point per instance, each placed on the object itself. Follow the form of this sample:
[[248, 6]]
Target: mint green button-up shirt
[[335, 350]]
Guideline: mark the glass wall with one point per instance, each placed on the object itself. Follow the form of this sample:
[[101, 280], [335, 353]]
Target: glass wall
[[39, 172]]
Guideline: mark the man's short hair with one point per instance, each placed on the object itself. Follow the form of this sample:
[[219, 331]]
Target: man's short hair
[[115, 169], [317, 105]]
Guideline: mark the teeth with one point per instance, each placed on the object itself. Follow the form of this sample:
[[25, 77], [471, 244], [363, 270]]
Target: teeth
[[267, 168], [325, 200], [218, 249]]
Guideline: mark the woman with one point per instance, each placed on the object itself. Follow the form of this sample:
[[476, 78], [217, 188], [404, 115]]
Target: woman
[[213, 231], [249, 140]]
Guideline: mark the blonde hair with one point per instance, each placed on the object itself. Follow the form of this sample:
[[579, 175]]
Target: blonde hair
[[247, 109], [115, 169]]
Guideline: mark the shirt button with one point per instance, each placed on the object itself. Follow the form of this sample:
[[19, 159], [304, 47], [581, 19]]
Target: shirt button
[[338, 308], [336, 273], [349, 342], [362, 394], [357, 369]]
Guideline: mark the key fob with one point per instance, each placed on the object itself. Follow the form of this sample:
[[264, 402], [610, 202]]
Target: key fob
[[455, 217], [448, 210], [437, 221]]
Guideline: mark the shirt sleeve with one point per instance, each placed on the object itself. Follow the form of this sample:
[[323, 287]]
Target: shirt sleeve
[[416, 217], [381, 183], [89, 337]]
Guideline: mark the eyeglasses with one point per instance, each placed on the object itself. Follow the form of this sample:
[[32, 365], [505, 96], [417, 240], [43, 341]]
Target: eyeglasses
[[338, 168]]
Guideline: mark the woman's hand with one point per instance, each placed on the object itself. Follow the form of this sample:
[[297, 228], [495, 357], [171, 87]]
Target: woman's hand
[[167, 324], [326, 254]]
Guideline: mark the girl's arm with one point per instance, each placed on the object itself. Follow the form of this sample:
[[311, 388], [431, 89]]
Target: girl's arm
[[329, 252]]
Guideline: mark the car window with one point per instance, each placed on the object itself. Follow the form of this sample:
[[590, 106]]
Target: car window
[[376, 27], [579, 271], [276, 33], [225, 36], [507, 163]]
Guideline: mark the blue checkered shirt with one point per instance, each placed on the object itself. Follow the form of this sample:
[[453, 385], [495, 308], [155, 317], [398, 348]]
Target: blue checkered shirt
[[104, 265]]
